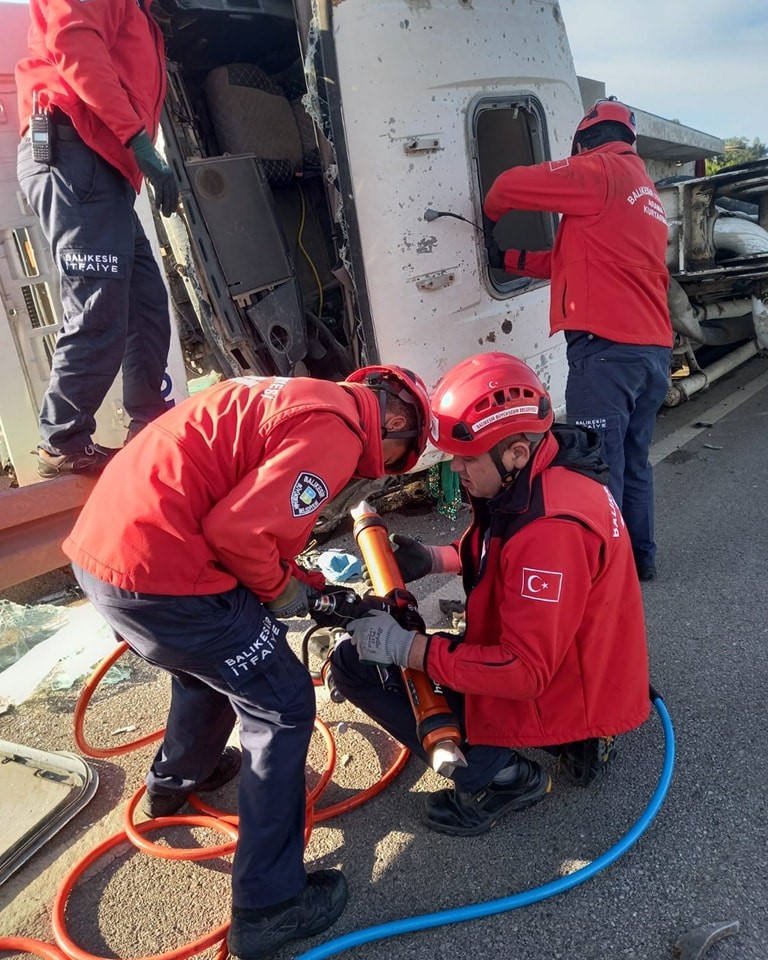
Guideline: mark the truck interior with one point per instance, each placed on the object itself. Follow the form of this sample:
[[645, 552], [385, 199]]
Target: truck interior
[[257, 266]]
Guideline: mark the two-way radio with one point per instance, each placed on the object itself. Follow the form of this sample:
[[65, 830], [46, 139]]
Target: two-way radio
[[40, 133]]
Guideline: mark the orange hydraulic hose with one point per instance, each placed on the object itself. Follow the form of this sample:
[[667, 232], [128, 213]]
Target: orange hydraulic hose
[[72, 950], [28, 945], [81, 706], [358, 799], [211, 819], [206, 853], [330, 762], [134, 834]]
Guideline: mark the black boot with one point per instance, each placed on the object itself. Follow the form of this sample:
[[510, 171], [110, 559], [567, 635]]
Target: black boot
[[257, 933], [470, 814], [166, 804], [586, 760]]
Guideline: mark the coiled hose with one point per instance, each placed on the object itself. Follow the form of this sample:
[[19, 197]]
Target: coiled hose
[[474, 911]]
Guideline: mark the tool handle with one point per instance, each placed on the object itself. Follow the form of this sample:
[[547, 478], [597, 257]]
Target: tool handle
[[435, 722]]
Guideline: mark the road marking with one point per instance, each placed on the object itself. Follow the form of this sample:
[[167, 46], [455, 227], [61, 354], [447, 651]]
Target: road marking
[[661, 450]]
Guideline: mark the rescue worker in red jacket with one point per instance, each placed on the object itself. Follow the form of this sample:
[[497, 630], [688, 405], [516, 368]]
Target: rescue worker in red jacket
[[609, 295], [554, 653], [186, 547], [95, 81]]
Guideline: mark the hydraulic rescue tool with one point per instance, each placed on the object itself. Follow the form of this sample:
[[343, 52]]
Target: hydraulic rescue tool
[[437, 728]]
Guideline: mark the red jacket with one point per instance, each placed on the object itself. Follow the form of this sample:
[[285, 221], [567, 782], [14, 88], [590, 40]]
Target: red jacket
[[555, 645], [608, 263], [225, 487], [103, 63]]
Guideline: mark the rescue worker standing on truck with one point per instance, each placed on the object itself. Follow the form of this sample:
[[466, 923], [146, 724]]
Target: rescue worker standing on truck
[[90, 96], [186, 547], [609, 295], [554, 653]]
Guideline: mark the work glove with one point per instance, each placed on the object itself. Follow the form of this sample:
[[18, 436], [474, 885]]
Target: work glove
[[293, 601], [157, 171], [495, 255], [379, 638], [493, 250], [415, 559]]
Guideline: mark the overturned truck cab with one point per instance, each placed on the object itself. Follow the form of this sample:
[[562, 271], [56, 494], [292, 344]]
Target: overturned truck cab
[[315, 142]]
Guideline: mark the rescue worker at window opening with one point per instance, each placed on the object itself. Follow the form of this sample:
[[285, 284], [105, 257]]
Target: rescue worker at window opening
[[96, 74], [554, 653], [609, 295], [186, 547]]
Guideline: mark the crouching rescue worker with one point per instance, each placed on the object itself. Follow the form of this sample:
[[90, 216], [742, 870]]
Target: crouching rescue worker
[[186, 547], [554, 654]]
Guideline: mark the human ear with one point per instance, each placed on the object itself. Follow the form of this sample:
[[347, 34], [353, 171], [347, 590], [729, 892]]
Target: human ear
[[395, 422], [516, 456]]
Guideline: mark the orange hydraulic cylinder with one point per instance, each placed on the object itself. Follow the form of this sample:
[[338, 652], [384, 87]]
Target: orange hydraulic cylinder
[[436, 726]]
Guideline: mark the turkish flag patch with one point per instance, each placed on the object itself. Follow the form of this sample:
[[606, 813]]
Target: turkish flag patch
[[544, 585]]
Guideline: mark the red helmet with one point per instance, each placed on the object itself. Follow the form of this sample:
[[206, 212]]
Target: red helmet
[[608, 109], [485, 398], [408, 387]]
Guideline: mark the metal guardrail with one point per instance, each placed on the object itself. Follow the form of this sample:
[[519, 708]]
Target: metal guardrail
[[34, 520]]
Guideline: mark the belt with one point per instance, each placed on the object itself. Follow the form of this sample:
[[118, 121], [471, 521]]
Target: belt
[[65, 131], [62, 124], [62, 131], [62, 127]]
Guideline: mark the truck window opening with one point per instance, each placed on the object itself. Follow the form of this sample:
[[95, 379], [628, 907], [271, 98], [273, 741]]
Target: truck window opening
[[510, 132]]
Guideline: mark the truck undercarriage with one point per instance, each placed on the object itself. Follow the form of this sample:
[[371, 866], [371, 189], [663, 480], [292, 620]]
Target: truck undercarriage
[[718, 262]]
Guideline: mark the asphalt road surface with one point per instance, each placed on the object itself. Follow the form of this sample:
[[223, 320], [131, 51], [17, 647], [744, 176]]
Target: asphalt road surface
[[703, 859]]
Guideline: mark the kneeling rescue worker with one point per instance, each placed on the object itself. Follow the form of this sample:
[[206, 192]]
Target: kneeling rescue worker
[[554, 654], [187, 548]]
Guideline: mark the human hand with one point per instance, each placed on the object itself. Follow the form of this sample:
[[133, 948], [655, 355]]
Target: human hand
[[292, 602], [494, 252], [157, 171], [379, 638], [414, 559], [495, 255]]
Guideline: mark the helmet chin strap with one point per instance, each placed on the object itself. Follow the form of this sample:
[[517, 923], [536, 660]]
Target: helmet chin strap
[[507, 475]]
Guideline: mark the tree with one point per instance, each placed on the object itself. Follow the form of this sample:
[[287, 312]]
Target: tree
[[737, 150]]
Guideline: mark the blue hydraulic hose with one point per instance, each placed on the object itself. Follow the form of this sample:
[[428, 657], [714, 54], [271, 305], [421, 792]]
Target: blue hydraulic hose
[[474, 911]]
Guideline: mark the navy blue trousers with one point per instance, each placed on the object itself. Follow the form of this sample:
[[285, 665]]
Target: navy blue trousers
[[361, 684], [617, 389], [113, 297], [228, 659]]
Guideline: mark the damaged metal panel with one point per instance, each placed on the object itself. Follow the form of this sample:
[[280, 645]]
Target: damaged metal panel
[[718, 254], [406, 100]]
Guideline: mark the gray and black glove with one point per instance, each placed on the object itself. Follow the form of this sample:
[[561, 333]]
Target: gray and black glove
[[292, 602], [379, 638], [495, 256], [157, 171], [415, 559]]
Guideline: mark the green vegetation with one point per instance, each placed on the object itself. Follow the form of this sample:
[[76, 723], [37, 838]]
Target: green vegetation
[[737, 150]]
